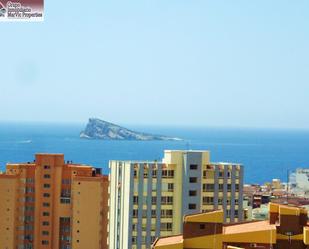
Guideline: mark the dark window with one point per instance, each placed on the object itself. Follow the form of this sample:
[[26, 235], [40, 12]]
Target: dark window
[[153, 213], [46, 185], [208, 187], [45, 223], [46, 167], [193, 166], [45, 233], [192, 193], [167, 173], [221, 187], [167, 200], [170, 187], [193, 179], [208, 200], [135, 213], [45, 242], [192, 206], [202, 226], [154, 200], [135, 199], [45, 213], [47, 176], [46, 195]]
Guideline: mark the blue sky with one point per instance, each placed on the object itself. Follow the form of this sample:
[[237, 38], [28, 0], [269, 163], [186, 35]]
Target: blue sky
[[199, 63]]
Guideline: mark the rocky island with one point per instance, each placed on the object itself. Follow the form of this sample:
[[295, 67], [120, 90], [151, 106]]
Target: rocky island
[[100, 129]]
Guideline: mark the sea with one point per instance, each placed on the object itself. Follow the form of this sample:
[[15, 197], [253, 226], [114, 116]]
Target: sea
[[265, 153]]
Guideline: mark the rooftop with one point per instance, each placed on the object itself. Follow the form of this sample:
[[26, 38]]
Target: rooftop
[[169, 240], [248, 227]]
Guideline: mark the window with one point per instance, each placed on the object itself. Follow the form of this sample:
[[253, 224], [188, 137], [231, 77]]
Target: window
[[193, 179], [204, 174], [45, 213], [221, 187], [29, 218], [46, 195], [29, 199], [229, 187], [170, 187], [202, 226], [167, 173], [228, 213], [154, 174], [208, 200], [166, 213], [220, 174], [66, 193], [135, 213], [29, 208], [46, 204], [65, 200], [192, 206], [153, 213], [192, 193], [45, 233], [167, 200], [46, 167], [45, 223], [154, 200], [134, 240], [45, 242], [135, 173], [208, 187], [166, 226], [46, 176], [29, 180], [193, 166], [65, 219], [66, 181], [29, 190], [145, 173], [236, 213], [135, 199], [46, 185]]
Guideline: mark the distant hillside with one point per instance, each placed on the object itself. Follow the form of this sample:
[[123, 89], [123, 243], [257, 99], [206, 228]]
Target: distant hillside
[[100, 129]]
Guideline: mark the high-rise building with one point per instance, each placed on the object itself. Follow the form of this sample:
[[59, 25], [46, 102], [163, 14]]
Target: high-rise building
[[149, 199], [286, 227], [53, 204]]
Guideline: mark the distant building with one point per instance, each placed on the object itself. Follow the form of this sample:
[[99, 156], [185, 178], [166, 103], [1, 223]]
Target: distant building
[[50, 204], [299, 182], [149, 199], [286, 228]]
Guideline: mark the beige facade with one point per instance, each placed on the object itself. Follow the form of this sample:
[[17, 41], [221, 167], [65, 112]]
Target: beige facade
[[50, 204], [149, 199]]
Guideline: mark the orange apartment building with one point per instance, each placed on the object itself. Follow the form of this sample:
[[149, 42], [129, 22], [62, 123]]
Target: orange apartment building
[[50, 204]]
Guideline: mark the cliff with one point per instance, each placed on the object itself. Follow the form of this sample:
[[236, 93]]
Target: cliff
[[100, 129]]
